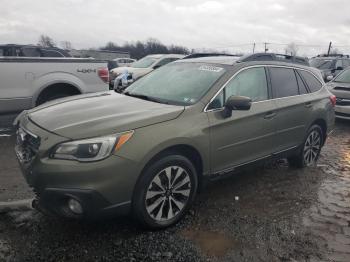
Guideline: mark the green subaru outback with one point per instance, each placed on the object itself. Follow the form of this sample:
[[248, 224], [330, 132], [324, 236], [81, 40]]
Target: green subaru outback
[[147, 151]]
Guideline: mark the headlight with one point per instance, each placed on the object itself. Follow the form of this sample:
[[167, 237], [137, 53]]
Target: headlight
[[92, 149]]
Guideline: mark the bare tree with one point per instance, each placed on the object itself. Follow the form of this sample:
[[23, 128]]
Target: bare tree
[[334, 51], [292, 49], [67, 45], [46, 41]]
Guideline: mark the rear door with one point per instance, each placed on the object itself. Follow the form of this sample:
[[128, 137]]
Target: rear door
[[246, 135], [291, 121]]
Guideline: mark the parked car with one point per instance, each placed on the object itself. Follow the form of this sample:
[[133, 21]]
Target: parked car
[[124, 61], [119, 62], [148, 150], [340, 87], [140, 68], [275, 57], [29, 82], [330, 65], [32, 51]]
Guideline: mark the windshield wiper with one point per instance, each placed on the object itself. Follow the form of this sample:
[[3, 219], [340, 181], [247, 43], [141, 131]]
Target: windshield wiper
[[144, 97]]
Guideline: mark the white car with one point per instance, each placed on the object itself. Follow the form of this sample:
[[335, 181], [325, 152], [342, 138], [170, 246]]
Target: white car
[[142, 67], [124, 61]]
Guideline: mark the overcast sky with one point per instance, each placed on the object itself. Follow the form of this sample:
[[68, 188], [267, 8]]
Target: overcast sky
[[222, 25]]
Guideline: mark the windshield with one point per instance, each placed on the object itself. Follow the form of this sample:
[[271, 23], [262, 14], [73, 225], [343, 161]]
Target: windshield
[[321, 63], [343, 77], [177, 83], [144, 62]]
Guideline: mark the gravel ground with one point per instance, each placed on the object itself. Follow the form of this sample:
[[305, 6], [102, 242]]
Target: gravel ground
[[274, 213]]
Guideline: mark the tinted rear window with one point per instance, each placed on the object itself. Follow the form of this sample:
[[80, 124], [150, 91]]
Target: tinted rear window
[[311, 81], [283, 81]]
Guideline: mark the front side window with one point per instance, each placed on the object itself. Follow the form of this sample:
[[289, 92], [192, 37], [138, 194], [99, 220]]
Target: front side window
[[311, 81], [283, 81], [177, 83], [250, 82]]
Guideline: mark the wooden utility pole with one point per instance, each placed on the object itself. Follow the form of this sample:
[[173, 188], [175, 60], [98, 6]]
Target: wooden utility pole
[[266, 49], [253, 48], [329, 48]]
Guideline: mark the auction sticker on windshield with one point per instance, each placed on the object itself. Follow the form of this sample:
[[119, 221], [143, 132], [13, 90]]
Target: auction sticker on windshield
[[210, 68]]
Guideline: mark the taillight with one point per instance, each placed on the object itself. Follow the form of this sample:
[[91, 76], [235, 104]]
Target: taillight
[[333, 99], [103, 74]]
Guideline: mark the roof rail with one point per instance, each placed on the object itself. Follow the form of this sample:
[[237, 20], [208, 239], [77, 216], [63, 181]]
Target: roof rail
[[333, 55], [197, 55], [275, 57]]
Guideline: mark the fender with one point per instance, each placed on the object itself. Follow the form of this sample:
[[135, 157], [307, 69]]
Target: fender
[[180, 141], [42, 82]]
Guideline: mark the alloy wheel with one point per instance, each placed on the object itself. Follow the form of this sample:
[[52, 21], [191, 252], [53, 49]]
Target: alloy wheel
[[312, 148], [168, 193]]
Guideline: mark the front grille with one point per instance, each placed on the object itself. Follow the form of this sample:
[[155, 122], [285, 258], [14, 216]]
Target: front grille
[[27, 145], [343, 101]]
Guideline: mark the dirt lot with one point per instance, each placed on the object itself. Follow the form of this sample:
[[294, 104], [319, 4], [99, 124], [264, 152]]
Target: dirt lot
[[274, 213]]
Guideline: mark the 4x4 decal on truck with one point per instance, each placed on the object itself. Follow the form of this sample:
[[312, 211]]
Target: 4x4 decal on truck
[[86, 71]]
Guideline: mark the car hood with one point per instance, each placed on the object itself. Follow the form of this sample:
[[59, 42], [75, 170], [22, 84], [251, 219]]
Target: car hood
[[100, 114], [136, 72], [340, 90]]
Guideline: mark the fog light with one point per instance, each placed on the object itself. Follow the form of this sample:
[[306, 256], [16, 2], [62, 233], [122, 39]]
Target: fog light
[[75, 206]]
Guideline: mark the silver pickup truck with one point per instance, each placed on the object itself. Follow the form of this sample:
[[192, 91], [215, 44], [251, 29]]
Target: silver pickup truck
[[27, 82]]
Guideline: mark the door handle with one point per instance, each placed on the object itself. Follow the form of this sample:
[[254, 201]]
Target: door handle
[[270, 115], [308, 104]]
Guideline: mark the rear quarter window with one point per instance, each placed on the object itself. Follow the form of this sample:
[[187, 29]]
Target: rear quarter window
[[311, 81]]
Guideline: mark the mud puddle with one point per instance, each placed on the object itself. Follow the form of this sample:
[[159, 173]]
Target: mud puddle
[[212, 244]]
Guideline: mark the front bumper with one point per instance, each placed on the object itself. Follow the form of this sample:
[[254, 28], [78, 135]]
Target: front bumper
[[103, 187], [94, 205]]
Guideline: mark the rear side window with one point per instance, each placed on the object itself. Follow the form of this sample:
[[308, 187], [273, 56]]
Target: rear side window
[[283, 81], [311, 81], [51, 53], [30, 52]]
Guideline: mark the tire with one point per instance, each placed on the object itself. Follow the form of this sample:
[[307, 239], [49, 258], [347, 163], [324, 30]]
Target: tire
[[310, 149], [47, 98], [157, 205]]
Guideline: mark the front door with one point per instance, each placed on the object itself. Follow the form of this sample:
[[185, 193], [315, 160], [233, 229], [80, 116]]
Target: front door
[[246, 135]]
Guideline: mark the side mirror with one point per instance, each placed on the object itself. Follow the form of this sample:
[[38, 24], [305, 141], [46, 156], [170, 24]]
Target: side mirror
[[236, 103], [156, 66], [339, 68], [329, 77]]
